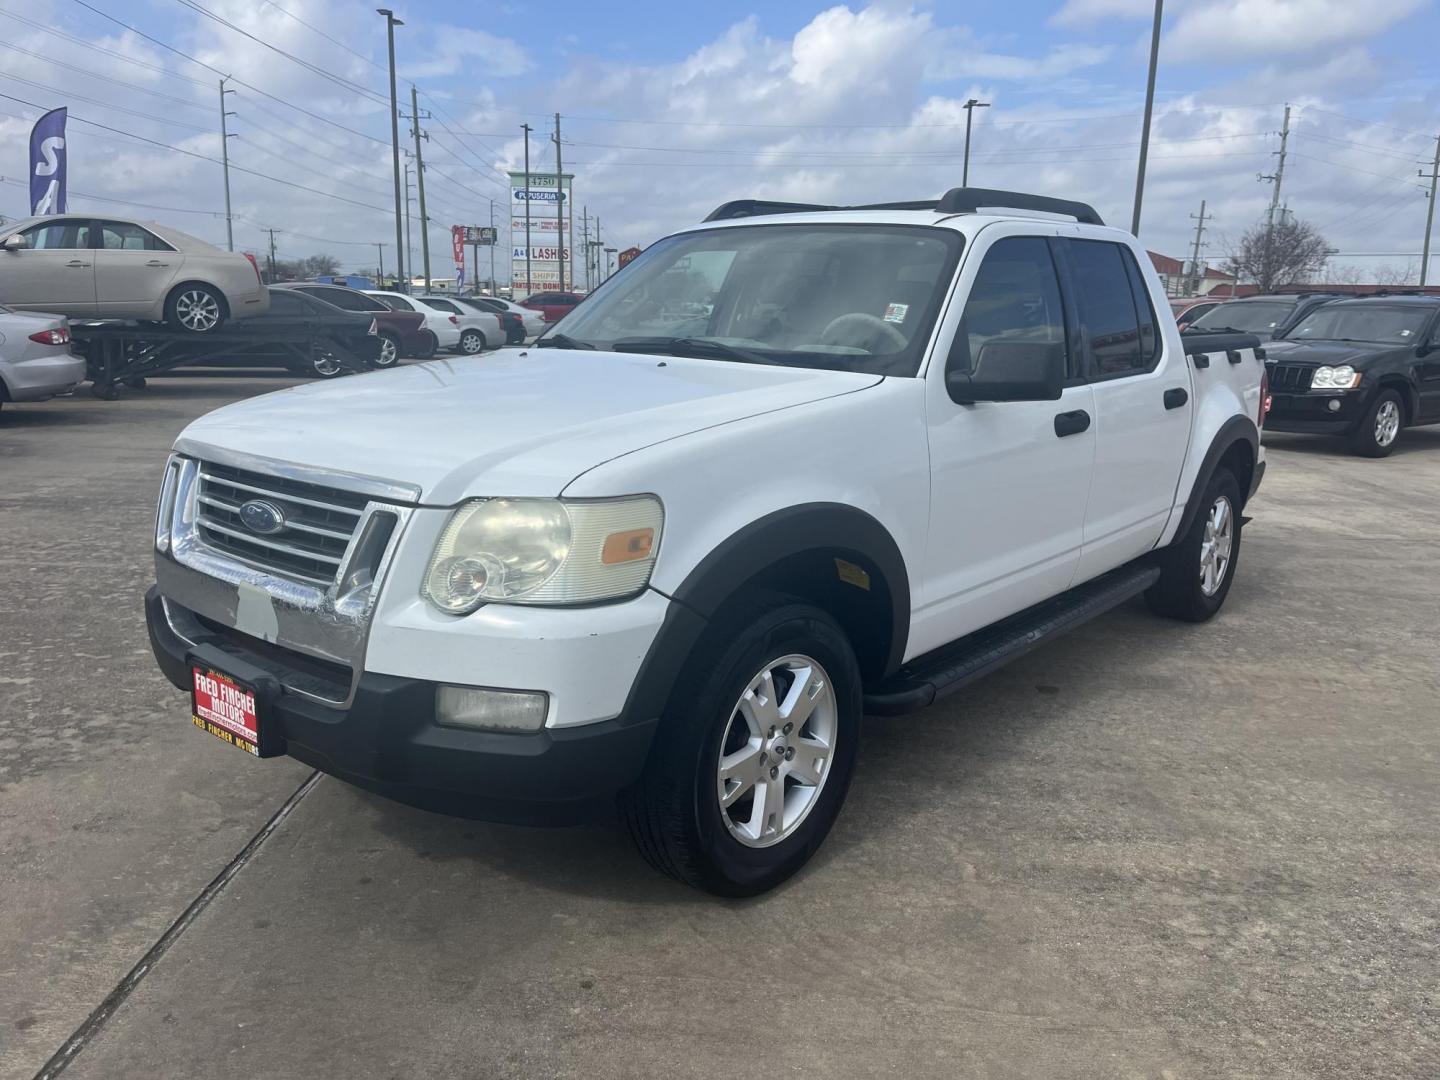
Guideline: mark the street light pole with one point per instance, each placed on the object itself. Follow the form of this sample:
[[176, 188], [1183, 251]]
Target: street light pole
[[380, 250], [529, 283], [1149, 108], [493, 288], [225, 164], [390, 23], [970, 107]]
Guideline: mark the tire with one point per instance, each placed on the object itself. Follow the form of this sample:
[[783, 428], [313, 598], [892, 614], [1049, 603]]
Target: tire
[[323, 365], [195, 309], [674, 812], [389, 354], [1197, 569], [432, 343], [472, 342], [1379, 431]]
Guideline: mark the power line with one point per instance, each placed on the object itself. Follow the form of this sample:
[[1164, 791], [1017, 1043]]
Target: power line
[[71, 95], [91, 46], [121, 202], [105, 78], [327, 37]]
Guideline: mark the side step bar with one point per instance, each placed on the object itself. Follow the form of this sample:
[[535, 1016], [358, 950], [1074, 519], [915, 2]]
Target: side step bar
[[948, 668]]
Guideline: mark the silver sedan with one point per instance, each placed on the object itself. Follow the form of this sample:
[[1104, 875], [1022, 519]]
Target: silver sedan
[[35, 358], [105, 268]]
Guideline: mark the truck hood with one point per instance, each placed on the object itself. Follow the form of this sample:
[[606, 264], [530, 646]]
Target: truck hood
[[520, 422], [1355, 353]]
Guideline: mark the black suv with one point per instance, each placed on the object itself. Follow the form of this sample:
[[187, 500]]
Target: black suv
[[1363, 368], [1272, 315]]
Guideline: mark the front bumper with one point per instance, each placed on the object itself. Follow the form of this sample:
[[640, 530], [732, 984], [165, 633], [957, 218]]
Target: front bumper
[[387, 740], [1310, 413]]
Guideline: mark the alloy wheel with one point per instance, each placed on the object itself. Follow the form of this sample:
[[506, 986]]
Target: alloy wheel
[[197, 310], [326, 366], [1387, 422], [471, 342], [776, 750], [1216, 545], [389, 353]]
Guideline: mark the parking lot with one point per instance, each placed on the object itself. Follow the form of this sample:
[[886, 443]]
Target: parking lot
[[1148, 850]]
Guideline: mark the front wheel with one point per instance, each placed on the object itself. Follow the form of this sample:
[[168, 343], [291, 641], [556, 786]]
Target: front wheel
[[472, 342], [1377, 433], [324, 365], [1196, 570], [196, 309], [755, 750]]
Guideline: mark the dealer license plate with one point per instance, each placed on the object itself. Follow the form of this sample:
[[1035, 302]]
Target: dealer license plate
[[226, 707]]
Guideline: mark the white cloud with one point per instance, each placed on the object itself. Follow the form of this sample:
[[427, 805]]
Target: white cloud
[[1244, 29], [1075, 12], [476, 53]]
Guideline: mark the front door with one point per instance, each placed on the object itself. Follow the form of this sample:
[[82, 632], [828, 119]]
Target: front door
[[134, 269], [54, 272], [1009, 479]]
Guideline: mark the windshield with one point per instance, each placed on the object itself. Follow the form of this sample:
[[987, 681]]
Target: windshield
[[1363, 322], [1253, 317], [843, 297]]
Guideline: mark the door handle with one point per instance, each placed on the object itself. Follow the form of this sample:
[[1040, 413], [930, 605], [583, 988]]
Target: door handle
[[1175, 397], [76, 262], [156, 262], [1071, 423]]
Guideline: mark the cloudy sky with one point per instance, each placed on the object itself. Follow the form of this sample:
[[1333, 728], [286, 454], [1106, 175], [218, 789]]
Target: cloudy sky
[[668, 109]]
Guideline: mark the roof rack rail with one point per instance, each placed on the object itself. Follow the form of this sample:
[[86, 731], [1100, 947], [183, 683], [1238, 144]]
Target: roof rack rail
[[969, 200], [955, 201]]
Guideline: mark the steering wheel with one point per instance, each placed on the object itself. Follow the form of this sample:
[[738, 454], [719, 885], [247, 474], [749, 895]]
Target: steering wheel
[[862, 330]]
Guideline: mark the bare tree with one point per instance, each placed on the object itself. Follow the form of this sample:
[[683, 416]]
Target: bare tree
[[316, 265], [1287, 254]]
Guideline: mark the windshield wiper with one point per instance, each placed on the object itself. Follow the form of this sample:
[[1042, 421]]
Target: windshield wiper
[[562, 341], [681, 345]]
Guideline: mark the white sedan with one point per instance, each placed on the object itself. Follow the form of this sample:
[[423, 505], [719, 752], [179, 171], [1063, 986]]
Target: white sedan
[[453, 328], [525, 324], [35, 358]]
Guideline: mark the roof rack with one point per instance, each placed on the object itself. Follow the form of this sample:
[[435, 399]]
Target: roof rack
[[955, 201]]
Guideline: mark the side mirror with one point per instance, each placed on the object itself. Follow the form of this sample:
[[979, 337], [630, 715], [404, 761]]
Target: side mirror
[[15, 242], [1011, 371]]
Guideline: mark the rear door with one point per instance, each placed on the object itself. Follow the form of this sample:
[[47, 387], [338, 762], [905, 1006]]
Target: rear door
[[54, 272], [134, 269], [1142, 405]]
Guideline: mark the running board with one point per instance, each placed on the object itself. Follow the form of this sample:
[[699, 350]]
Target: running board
[[948, 668]]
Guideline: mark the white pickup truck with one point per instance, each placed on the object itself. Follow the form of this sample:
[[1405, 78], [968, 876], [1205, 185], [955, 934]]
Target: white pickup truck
[[794, 464]]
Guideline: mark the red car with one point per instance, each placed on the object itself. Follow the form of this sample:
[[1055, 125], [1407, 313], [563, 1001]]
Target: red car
[[554, 306], [402, 333]]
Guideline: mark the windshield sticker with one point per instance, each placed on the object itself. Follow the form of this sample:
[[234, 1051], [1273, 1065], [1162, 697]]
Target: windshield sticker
[[896, 312]]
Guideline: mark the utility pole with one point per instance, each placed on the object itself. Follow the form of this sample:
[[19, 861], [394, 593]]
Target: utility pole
[[1278, 175], [225, 163], [380, 250], [274, 271], [1149, 110], [1430, 214], [494, 288], [1195, 250], [390, 23], [420, 181], [529, 281], [409, 252], [559, 207], [970, 107], [585, 242]]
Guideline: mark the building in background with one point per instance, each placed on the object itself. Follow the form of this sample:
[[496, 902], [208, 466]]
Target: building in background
[[1180, 279], [551, 237]]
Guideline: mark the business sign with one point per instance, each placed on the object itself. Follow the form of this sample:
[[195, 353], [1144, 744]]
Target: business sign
[[629, 255], [457, 244], [479, 234], [543, 259], [47, 164]]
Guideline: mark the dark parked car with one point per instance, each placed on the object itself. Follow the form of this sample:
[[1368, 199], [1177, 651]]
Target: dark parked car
[[1269, 316], [1187, 310], [553, 305], [1363, 368], [402, 333], [304, 335]]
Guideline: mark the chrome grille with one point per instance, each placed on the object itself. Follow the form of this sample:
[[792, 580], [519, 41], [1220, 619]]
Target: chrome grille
[[1291, 377], [319, 522]]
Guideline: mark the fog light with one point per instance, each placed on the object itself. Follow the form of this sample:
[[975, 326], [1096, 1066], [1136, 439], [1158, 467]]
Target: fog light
[[490, 710], [1334, 405]]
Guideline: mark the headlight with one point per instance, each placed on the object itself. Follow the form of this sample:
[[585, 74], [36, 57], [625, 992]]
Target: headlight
[[1343, 377], [543, 551]]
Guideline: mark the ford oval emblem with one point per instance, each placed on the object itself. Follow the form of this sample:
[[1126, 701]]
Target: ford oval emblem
[[262, 517]]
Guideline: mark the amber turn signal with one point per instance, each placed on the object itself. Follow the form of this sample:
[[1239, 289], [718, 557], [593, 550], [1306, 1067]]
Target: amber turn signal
[[627, 546]]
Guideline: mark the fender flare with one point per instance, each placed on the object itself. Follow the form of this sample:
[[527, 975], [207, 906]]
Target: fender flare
[[1237, 429], [748, 552]]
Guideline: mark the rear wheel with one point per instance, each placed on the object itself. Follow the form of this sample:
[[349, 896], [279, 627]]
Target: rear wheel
[[389, 350], [195, 308], [324, 365], [755, 751], [472, 342], [1378, 432], [431, 343], [1197, 569]]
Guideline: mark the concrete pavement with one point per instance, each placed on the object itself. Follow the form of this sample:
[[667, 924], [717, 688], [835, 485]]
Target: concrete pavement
[[1146, 850]]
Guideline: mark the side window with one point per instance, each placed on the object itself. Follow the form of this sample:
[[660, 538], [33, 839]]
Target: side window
[[56, 235], [125, 236], [285, 302], [444, 305], [1015, 298], [396, 303], [1107, 309], [1144, 311], [341, 299]]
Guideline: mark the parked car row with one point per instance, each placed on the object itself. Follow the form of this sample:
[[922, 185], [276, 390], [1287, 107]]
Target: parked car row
[[1362, 367]]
